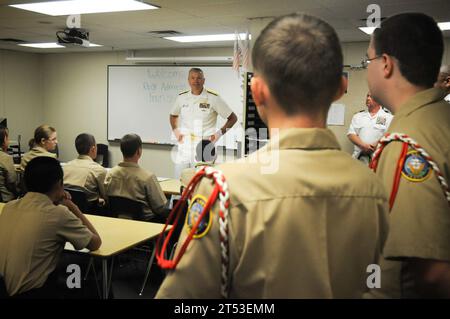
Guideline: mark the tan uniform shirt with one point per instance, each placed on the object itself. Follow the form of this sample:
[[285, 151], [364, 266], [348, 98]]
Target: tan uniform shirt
[[33, 232], [420, 217], [8, 177], [87, 174], [34, 152], [133, 182], [308, 229], [188, 173]]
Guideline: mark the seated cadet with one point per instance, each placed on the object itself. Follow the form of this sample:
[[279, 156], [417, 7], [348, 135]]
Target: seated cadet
[[205, 156], [8, 174], [43, 143], [35, 228], [131, 181], [291, 227], [86, 174]]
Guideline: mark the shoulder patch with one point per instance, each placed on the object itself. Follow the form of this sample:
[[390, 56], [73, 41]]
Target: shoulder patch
[[416, 168], [195, 210], [184, 92], [212, 92]]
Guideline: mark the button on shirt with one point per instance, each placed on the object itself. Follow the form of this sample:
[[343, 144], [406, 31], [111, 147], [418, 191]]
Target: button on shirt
[[369, 128], [198, 113], [292, 232], [33, 232], [87, 174]]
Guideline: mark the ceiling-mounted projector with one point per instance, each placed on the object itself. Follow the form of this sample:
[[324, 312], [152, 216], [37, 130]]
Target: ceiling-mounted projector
[[73, 37]]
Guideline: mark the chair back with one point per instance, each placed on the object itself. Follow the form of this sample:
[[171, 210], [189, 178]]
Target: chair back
[[102, 155], [125, 208], [78, 197]]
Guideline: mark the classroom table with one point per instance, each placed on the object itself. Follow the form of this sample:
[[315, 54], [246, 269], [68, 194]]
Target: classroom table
[[171, 186]]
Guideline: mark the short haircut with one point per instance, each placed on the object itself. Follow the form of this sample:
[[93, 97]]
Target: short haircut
[[129, 144], [42, 174], [195, 70], [205, 151], [42, 132], [300, 58], [3, 134], [415, 40], [84, 142]]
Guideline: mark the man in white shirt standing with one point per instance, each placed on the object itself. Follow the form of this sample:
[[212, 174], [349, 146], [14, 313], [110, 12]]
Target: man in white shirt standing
[[443, 81], [193, 118], [366, 129]]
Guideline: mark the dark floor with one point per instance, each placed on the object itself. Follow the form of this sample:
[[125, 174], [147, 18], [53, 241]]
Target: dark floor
[[128, 276]]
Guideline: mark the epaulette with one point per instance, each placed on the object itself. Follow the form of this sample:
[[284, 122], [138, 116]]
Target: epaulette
[[184, 92], [386, 110], [212, 92], [360, 111]]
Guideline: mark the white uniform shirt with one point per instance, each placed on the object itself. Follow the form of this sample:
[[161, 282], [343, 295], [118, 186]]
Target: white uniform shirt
[[447, 98], [369, 129], [198, 113]]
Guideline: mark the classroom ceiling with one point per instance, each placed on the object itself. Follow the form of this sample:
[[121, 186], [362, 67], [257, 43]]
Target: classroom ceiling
[[131, 30]]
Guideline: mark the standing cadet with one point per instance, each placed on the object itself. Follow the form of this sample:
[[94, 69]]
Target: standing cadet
[[197, 109], [366, 129], [289, 233], [415, 160]]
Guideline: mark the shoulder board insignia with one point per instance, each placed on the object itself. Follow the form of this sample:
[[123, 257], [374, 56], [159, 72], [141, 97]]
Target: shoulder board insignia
[[416, 168], [212, 92], [386, 110], [361, 111], [193, 214], [184, 92]]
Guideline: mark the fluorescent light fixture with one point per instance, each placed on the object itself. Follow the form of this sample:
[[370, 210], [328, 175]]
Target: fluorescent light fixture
[[207, 38], [367, 30], [444, 26], [42, 45], [52, 45], [68, 7]]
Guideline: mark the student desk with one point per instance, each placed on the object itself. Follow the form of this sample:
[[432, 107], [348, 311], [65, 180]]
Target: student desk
[[171, 186]]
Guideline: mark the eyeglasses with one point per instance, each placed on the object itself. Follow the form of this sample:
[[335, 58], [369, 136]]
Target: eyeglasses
[[366, 61]]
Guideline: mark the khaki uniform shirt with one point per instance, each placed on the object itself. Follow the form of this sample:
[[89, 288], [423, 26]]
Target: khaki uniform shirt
[[420, 217], [33, 232], [8, 177], [34, 152], [86, 174], [133, 182], [305, 221]]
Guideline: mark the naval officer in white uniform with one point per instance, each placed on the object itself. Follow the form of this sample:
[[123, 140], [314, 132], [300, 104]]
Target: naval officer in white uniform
[[193, 118], [366, 129]]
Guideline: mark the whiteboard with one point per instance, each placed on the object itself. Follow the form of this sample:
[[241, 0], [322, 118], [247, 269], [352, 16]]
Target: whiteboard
[[140, 98]]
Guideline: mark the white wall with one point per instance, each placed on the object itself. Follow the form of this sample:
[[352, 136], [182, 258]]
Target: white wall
[[21, 93]]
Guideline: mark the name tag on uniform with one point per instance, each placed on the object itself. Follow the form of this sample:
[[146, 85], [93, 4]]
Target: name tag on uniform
[[381, 120], [204, 106]]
